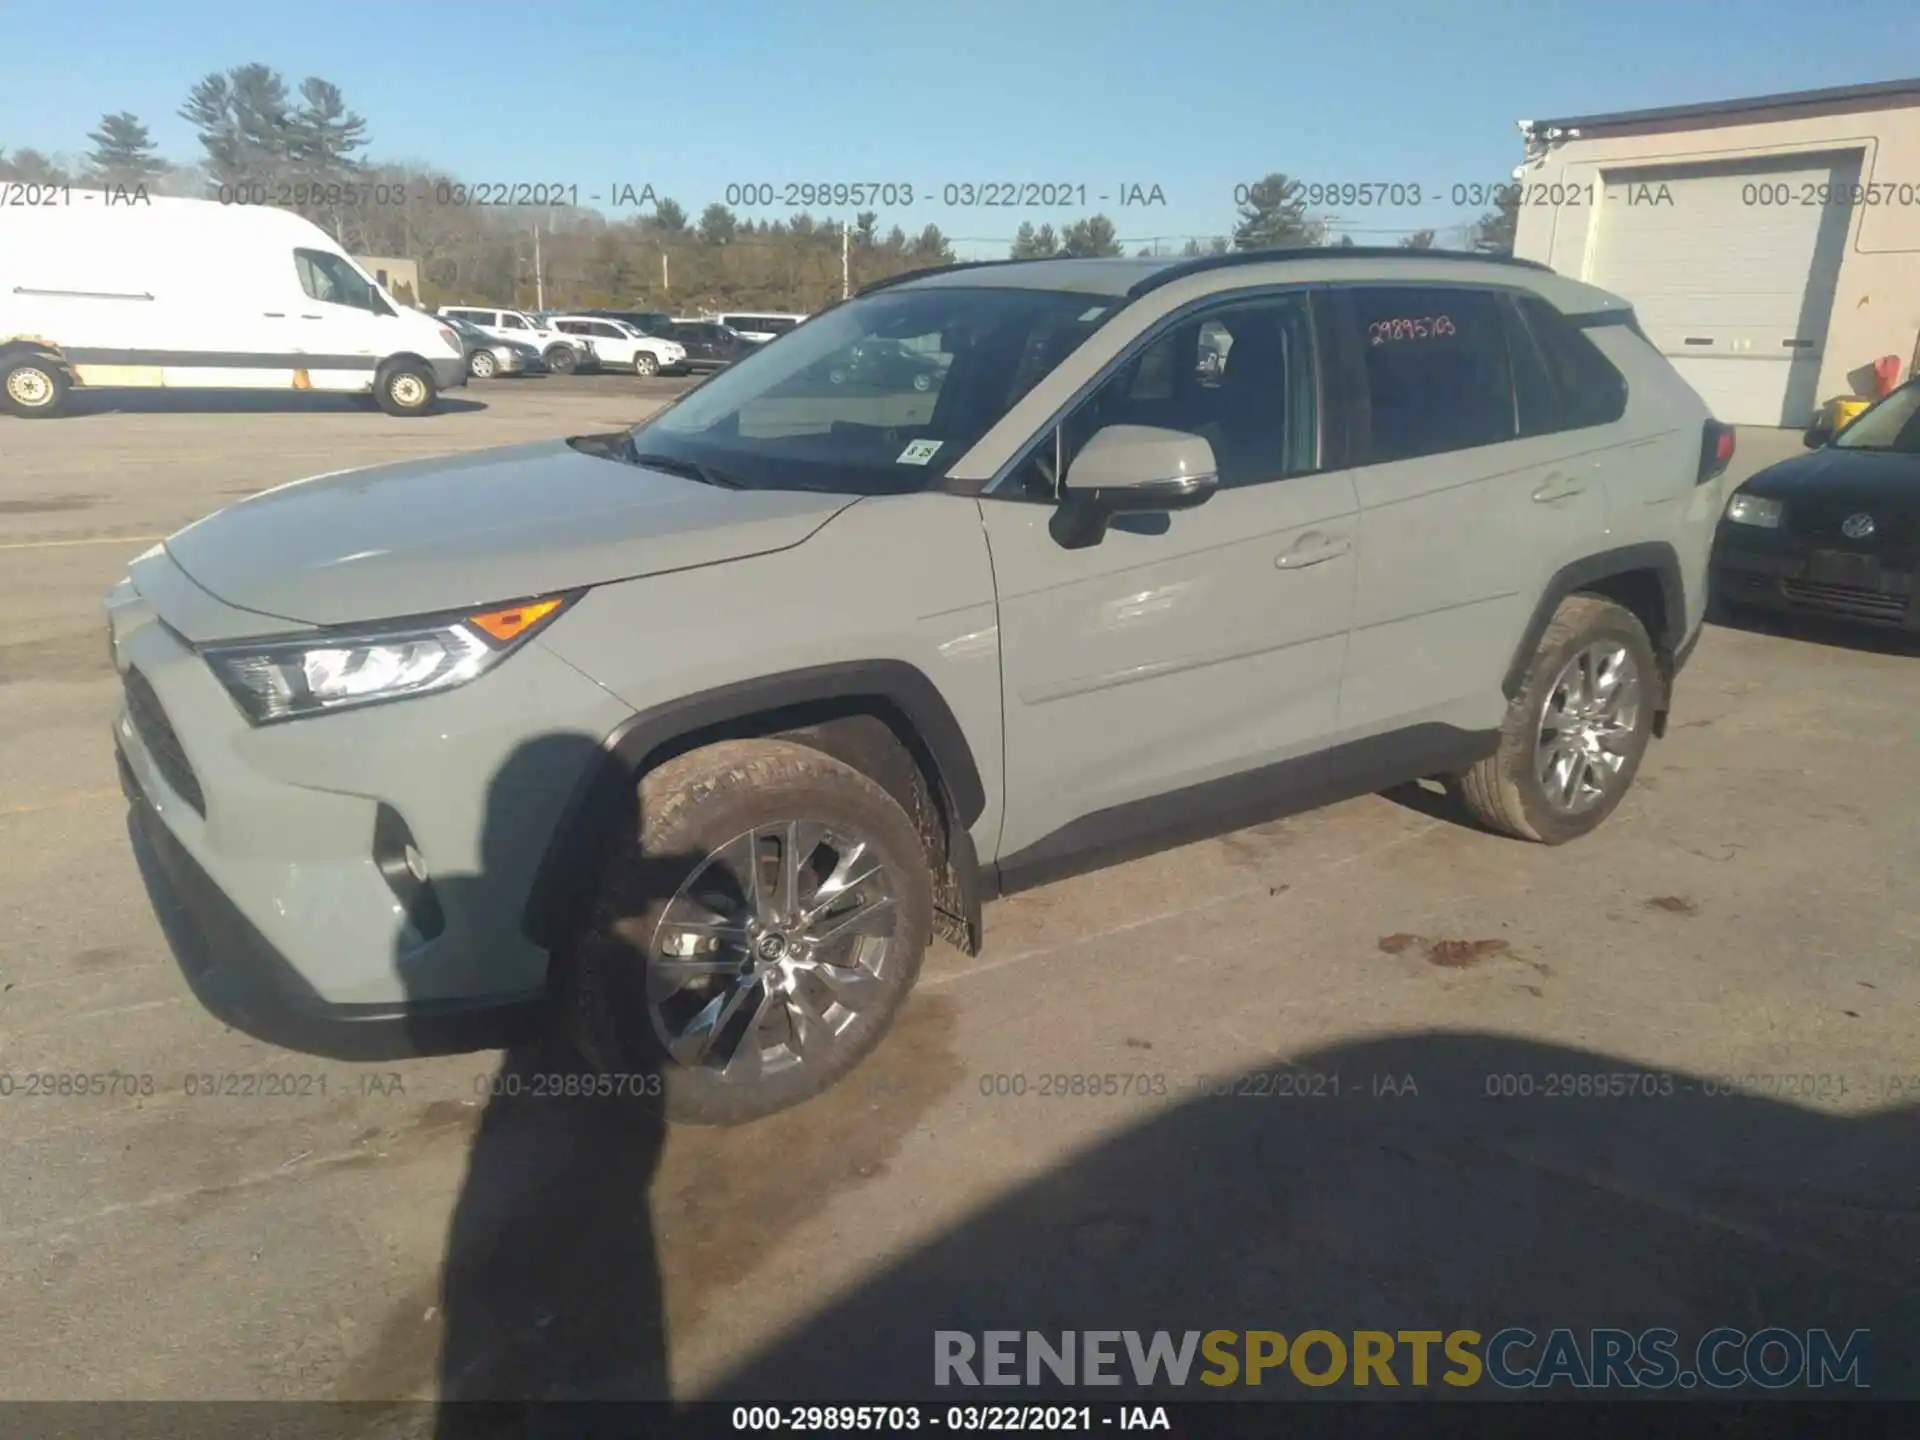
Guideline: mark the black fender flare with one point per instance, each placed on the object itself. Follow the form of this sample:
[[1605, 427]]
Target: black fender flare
[[604, 794], [1653, 555]]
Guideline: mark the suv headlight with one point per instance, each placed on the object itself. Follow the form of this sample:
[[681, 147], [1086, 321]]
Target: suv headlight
[[1754, 510], [284, 679]]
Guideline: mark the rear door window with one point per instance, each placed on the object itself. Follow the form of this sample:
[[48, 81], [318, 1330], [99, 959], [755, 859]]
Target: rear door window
[[1437, 371]]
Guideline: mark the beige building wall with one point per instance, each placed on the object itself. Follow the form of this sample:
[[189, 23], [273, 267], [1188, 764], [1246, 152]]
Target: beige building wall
[[1877, 298], [392, 272]]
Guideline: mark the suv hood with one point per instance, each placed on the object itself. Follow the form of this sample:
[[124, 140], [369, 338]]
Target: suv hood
[[476, 529]]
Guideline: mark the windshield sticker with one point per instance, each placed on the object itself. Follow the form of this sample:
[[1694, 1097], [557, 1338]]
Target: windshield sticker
[[919, 452]]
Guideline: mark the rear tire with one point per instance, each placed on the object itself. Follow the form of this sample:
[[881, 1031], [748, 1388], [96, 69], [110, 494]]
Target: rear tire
[[790, 1006], [405, 388], [1574, 737], [645, 363], [33, 387], [562, 359], [483, 366]]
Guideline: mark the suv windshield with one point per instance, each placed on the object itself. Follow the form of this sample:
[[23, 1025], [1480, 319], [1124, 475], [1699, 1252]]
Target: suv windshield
[[815, 413], [1890, 425]]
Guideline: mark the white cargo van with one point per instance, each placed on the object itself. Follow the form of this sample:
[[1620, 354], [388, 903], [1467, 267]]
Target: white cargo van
[[194, 294]]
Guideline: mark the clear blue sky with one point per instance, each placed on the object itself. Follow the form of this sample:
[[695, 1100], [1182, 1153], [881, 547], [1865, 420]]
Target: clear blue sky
[[1193, 97]]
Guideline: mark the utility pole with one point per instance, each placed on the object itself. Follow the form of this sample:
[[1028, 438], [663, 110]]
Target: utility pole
[[665, 286], [539, 282], [846, 284]]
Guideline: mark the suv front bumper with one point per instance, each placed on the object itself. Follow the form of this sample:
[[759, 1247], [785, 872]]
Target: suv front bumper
[[261, 847]]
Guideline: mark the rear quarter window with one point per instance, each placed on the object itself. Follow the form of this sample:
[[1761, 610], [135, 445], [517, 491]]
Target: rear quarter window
[[1589, 391]]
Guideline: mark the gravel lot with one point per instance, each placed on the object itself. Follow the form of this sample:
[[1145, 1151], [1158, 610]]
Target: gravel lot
[[1749, 911]]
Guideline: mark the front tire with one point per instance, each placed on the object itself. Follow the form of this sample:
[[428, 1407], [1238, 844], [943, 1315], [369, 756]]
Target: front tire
[[562, 359], [756, 938], [405, 389], [645, 363], [1574, 737], [33, 387]]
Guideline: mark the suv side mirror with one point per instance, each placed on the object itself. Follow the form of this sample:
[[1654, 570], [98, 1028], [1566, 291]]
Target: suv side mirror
[[1131, 470], [1818, 435]]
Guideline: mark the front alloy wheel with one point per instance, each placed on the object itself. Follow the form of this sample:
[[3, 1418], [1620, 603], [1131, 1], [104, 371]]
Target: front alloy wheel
[[768, 952], [755, 936]]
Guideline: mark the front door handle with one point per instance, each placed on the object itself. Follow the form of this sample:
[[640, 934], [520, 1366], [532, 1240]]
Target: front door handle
[[1312, 548], [275, 314], [1558, 487]]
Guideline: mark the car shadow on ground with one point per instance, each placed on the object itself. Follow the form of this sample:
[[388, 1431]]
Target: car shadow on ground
[[81, 403], [1425, 1181]]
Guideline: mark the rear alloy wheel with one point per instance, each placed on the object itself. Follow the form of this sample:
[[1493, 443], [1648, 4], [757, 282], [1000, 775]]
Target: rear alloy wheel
[[923, 382], [562, 359], [482, 366], [32, 386], [645, 363], [405, 388], [1575, 735], [757, 937]]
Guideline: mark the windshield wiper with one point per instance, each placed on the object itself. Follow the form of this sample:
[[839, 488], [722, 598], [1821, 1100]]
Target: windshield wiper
[[706, 475]]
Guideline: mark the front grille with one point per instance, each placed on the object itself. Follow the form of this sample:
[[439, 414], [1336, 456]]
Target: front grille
[[156, 733], [1846, 600]]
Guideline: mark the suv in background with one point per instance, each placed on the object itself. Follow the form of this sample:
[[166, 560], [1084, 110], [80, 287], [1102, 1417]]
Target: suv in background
[[620, 345], [711, 345], [563, 354], [703, 730]]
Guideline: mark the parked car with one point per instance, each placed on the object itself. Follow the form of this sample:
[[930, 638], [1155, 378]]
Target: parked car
[[647, 322], [886, 365], [711, 345], [620, 345], [759, 326], [1837, 532], [563, 353], [782, 682], [189, 294], [488, 357]]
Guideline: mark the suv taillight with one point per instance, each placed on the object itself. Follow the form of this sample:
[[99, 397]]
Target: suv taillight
[[1716, 451]]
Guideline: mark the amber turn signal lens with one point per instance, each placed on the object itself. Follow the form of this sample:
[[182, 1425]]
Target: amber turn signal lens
[[514, 621]]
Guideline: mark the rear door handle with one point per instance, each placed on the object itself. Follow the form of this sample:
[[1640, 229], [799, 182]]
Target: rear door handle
[[1312, 548], [275, 314], [1558, 487]]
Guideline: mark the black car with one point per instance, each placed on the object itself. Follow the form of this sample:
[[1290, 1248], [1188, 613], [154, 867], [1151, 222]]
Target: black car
[[1836, 532], [886, 365], [711, 345]]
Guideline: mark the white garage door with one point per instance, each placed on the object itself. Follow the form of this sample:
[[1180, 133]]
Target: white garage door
[[1731, 268]]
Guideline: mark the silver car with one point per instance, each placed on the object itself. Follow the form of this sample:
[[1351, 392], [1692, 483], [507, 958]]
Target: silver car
[[696, 735]]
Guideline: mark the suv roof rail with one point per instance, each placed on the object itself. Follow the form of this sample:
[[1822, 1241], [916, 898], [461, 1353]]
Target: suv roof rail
[[1318, 252], [907, 275]]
